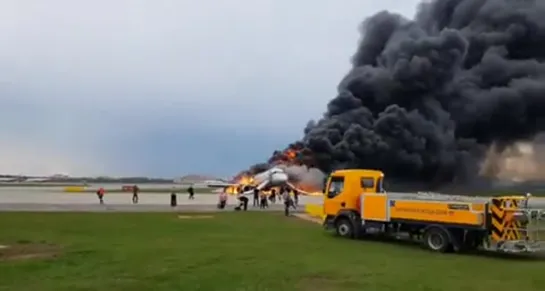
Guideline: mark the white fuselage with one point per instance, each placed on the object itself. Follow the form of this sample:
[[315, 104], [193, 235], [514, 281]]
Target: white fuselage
[[272, 177]]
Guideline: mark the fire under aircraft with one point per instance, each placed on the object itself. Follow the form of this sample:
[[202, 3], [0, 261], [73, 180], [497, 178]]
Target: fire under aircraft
[[272, 178]]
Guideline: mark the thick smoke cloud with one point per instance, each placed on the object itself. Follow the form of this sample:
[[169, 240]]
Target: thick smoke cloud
[[425, 98], [303, 176]]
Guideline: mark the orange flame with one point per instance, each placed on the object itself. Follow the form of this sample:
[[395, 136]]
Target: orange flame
[[241, 181], [294, 154], [307, 188]]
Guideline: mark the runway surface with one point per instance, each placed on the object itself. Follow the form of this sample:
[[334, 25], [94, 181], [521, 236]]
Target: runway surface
[[56, 201], [63, 202]]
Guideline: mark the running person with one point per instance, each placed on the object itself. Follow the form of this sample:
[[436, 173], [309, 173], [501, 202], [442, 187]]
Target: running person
[[191, 192]]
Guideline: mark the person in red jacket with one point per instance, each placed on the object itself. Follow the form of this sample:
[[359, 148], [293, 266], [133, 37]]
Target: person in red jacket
[[100, 194]]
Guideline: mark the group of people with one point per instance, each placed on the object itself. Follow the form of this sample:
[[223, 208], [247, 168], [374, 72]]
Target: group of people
[[262, 199], [135, 191]]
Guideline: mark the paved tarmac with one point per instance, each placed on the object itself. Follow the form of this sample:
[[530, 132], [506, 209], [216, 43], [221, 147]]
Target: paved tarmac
[[51, 201], [120, 202]]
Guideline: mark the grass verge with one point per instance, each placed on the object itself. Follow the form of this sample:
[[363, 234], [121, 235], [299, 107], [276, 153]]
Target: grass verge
[[235, 251]]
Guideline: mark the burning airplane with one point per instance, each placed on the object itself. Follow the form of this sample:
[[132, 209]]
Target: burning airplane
[[273, 178]]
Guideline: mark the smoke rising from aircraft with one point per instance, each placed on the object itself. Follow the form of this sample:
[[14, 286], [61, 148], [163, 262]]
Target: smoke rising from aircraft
[[519, 162], [426, 98]]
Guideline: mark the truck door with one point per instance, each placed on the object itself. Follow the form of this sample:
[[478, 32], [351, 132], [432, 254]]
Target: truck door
[[373, 203], [334, 201]]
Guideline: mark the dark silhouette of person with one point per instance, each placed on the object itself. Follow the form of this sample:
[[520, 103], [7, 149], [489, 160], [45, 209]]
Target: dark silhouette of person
[[263, 201], [243, 202], [272, 196], [288, 202], [281, 193], [135, 190], [173, 198], [256, 197], [191, 192]]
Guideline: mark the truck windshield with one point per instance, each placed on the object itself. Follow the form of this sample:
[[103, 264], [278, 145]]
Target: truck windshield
[[335, 186]]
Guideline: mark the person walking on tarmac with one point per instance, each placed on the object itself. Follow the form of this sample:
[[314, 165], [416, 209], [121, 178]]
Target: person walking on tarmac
[[281, 193], [100, 194], [272, 197], [295, 198], [135, 191], [256, 197], [173, 198], [243, 202], [222, 200], [287, 202], [191, 192], [263, 202]]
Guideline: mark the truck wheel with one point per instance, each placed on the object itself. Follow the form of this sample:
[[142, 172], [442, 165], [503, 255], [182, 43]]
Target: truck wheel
[[437, 240], [344, 228]]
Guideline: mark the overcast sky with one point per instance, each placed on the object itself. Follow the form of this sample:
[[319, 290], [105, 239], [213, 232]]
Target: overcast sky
[[166, 88]]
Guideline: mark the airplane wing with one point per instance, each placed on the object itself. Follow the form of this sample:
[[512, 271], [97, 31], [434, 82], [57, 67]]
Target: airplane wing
[[303, 192]]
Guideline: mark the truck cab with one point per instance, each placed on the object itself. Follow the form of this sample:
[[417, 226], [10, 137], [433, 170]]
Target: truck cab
[[343, 190]]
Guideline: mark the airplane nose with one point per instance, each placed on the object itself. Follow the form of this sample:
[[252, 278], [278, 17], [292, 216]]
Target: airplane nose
[[279, 177]]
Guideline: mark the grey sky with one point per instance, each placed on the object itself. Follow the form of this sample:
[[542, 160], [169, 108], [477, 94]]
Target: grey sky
[[79, 80]]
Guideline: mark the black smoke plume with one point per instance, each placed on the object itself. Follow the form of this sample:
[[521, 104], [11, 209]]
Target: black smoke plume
[[425, 98]]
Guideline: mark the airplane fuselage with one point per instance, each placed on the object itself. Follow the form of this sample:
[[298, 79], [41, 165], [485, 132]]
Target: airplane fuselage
[[271, 178]]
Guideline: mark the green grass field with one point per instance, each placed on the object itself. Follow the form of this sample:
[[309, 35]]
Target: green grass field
[[234, 251]]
